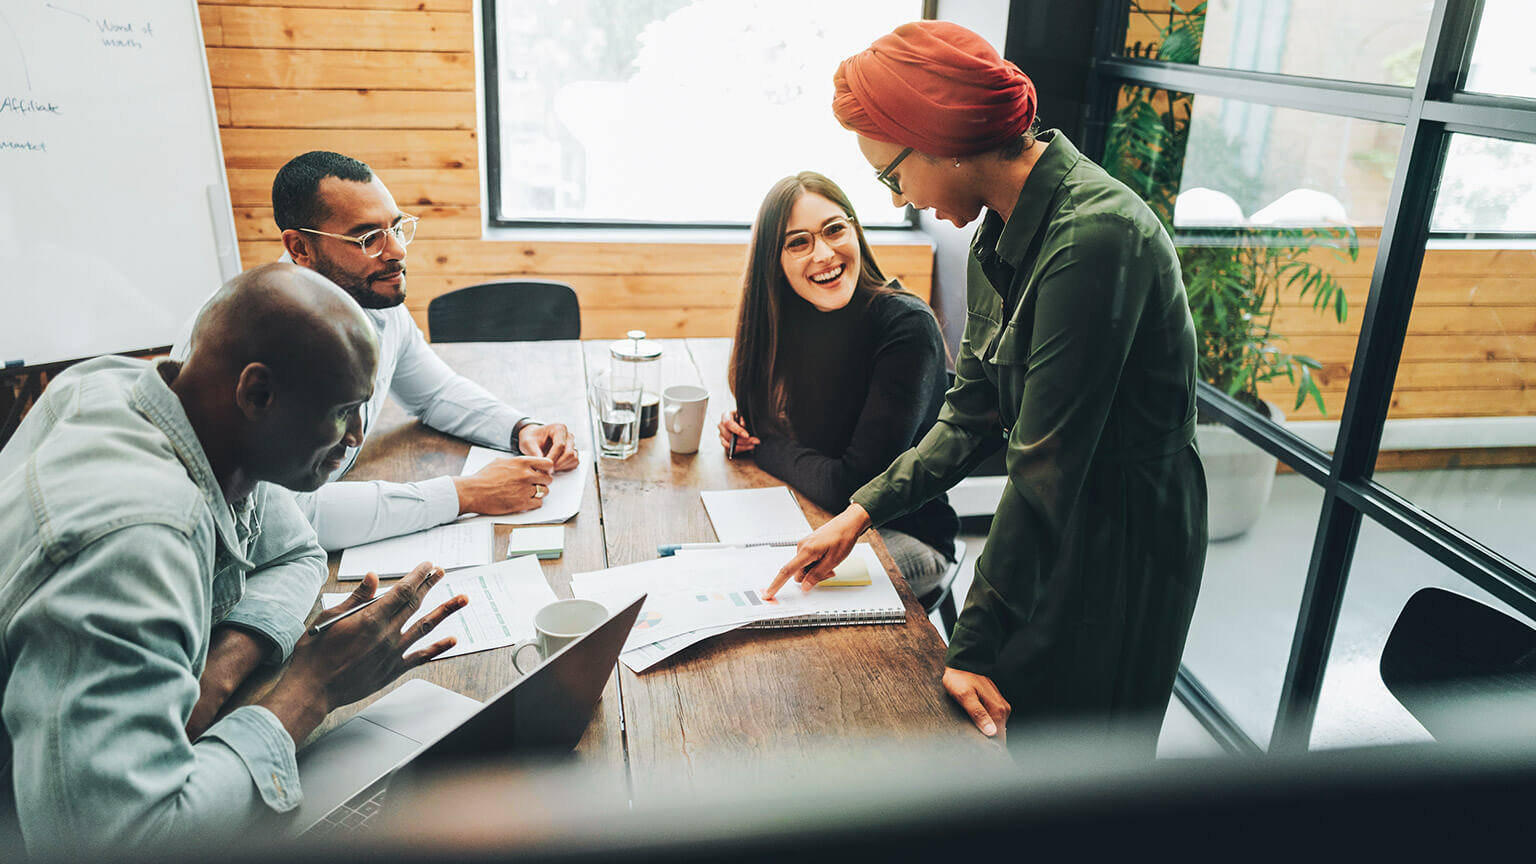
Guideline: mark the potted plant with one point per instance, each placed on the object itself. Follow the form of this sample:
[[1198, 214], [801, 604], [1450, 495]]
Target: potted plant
[[1236, 277]]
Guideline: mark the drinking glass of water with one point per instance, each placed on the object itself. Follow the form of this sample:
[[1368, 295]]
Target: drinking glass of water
[[616, 412]]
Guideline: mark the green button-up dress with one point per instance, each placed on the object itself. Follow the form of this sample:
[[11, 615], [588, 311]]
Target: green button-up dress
[[1079, 357]]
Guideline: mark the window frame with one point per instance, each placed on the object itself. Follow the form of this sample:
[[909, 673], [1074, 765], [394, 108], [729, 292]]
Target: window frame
[[492, 135], [1430, 111]]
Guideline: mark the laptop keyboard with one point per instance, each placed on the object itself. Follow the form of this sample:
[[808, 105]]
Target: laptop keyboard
[[355, 815]]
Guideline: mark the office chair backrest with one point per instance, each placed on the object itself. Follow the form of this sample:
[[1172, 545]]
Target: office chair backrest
[[1457, 664], [518, 310]]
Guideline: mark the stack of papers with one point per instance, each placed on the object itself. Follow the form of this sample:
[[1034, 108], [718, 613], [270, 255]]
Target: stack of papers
[[698, 594]]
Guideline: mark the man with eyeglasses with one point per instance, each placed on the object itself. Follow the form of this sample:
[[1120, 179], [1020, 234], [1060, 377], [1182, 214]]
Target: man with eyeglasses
[[339, 220]]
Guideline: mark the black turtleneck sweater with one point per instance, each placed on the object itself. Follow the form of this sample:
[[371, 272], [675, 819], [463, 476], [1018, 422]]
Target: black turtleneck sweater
[[864, 384]]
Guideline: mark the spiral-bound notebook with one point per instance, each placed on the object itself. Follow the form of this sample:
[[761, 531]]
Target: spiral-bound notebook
[[864, 594], [708, 588]]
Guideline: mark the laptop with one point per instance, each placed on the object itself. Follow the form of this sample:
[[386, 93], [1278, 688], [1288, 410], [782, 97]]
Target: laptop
[[345, 772]]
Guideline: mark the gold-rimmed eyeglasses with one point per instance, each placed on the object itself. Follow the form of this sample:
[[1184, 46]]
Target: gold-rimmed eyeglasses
[[800, 243], [372, 242], [884, 175]]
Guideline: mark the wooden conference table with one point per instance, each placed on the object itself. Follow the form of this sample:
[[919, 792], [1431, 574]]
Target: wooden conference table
[[728, 703]]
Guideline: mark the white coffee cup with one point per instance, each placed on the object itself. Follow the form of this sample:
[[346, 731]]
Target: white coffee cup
[[683, 408], [557, 625]]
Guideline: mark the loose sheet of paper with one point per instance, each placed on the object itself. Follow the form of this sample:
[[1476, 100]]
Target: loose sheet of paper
[[767, 515], [562, 502], [503, 598], [645, 656], [447, 546]]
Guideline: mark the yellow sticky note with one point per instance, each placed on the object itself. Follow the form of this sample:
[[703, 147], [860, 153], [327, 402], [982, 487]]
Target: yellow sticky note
[[850, 574]]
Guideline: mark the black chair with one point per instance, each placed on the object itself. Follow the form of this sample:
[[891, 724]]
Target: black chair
[[517, 310], [942, 597], [1460, 667]]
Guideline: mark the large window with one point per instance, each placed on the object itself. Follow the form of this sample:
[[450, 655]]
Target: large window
[[1383, 154], [671, 111]]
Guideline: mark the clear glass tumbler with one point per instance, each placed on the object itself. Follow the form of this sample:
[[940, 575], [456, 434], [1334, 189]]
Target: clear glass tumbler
[[616, 414]]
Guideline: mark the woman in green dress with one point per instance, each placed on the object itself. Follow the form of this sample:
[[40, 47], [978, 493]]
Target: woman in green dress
[[1079, 359]]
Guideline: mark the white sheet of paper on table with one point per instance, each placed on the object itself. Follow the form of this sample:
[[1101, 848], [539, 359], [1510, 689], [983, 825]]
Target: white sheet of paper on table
[[503, 598], [644, 657], [447, 546], [767, 515], [562, 502]]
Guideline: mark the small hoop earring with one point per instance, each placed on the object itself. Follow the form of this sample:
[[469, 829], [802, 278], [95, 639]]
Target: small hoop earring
[[957, 163]]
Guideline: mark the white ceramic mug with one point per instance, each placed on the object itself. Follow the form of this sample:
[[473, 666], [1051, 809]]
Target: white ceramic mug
[[556, 626], [684, 407]]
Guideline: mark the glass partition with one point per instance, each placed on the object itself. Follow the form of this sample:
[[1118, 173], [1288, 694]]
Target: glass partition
[[1501, 56], [1374, 41], [1240, 638], [1356, 708], [1276, 213]]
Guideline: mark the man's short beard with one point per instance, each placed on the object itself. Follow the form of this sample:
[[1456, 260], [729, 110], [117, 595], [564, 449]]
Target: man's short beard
[[356, 286]]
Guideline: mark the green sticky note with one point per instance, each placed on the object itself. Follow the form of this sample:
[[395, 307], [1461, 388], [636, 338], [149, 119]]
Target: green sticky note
[[545, 541], [852, 573]]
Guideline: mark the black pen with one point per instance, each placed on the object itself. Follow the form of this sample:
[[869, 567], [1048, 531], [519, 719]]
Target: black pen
[[731, 454], [317, 629]]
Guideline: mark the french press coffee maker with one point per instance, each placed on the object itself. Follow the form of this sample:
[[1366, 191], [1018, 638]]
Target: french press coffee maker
[[635, 358]]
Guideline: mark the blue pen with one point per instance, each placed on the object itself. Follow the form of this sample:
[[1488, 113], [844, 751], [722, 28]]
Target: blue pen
[[667, 550]]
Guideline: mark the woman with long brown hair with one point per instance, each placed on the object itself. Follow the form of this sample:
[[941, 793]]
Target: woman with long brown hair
[[836, 369]]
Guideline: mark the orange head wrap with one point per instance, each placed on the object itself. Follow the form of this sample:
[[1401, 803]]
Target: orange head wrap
[[935, 86]]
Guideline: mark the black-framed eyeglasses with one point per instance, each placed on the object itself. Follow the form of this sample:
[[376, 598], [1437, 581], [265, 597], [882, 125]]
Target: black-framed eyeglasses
[[836, 232], [372, 242], [884, 176]]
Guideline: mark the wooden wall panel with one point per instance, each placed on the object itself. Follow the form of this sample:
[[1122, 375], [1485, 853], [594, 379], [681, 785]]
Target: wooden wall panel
[[356, 29], [349, 109], [252, 187], [344, 70], [1470, 341], [399, 5], [383, 149]]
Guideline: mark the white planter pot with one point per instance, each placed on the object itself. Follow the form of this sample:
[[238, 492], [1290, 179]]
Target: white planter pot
[[1238, 477]]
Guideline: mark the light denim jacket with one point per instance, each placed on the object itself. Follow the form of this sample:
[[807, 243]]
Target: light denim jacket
[[118, 554]]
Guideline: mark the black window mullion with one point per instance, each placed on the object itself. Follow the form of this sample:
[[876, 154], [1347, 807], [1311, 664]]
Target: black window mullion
[[1380, 102], [1439, 540], [1209, 713], [1278, 441], [1383, 329], [492, 113], [1108, 38], [1509, 118]]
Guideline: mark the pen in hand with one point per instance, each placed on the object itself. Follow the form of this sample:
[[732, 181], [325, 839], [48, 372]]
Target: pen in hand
[[317, 629], [731, 453]]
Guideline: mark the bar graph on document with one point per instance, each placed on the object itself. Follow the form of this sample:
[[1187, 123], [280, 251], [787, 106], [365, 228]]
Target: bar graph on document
[[738, 599]]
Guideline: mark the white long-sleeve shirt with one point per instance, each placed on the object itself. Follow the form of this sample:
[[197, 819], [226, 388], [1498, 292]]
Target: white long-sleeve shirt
[[348, 513]]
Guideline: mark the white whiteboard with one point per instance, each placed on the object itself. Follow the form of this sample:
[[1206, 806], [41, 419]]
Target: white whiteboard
[[115, 222]]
